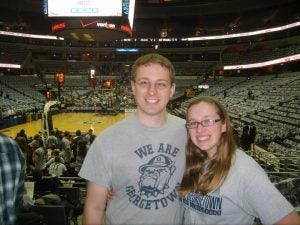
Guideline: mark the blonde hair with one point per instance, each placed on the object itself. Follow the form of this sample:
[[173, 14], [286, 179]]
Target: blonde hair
[[203, 174], [153, 58]]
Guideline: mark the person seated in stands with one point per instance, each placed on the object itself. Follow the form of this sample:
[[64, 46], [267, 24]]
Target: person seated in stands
[[57, 168], [44, 185], [54, 153], [250, 94]]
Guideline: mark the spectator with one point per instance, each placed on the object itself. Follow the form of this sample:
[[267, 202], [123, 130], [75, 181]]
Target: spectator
[[38, 156], [22, 134], [12, 171], [92, 138], [236, 135], [88, 135], [57, 168], [52, 140], [74, 144], [252, 133], [245, 139], [250, 94], [221, 183], [51, 159], [66, 147], [82, 150], [141, 157], [22, 142]]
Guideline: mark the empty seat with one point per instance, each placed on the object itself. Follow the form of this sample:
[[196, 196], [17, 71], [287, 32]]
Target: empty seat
[[53, 214]]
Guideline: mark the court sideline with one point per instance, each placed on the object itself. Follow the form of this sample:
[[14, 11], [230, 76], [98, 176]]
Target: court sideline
[[70, 122]]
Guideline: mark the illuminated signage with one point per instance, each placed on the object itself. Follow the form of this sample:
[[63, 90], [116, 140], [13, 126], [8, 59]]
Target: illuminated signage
[[60, 77], [82, 8], [127, 50], [106, 25], [91, 11], [58, 26], [126, 29], [263, 64], [7, 65]]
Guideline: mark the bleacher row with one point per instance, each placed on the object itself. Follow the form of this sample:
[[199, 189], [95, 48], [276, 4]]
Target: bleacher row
[[19, 94]]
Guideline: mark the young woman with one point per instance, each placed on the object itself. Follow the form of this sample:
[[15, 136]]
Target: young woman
[[221, 183]]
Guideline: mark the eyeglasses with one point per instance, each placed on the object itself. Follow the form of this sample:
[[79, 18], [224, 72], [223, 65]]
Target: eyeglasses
[[204, 123]]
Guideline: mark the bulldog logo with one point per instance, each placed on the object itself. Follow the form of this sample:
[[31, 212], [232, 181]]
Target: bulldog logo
[[155, 175]]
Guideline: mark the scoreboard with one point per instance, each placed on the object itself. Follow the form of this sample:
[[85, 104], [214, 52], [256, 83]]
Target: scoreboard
[[91, 20], [83, 8]]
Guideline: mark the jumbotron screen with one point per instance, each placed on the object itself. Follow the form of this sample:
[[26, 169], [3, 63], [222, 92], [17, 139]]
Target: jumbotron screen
[[83, 8], [91, 19]]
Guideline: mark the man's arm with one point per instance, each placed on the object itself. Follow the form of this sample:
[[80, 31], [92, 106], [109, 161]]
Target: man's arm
[[290, 219], [95, 204]]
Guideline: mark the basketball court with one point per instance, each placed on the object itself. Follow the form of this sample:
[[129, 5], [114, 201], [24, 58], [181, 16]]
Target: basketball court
[[69, 122]]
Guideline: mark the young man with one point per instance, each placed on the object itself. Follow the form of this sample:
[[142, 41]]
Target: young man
[[12, 175], [141, 158]]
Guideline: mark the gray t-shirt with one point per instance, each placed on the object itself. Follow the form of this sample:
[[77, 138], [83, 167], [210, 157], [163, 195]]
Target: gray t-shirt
[[246, 193], [143, 166]]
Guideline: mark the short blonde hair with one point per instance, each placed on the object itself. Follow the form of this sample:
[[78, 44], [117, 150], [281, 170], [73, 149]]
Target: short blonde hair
[[153, 58]]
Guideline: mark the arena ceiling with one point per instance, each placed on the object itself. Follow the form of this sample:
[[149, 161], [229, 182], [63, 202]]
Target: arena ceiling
[[155, 19], [180, 18]]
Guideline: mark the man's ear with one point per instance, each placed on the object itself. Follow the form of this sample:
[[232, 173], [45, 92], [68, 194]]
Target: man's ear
[[132, 87], [173, 89]]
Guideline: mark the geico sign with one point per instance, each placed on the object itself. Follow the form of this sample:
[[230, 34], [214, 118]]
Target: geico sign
[[84, 10]]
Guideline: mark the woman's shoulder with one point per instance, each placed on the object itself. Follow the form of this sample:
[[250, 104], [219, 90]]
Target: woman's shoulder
[[245, 163]]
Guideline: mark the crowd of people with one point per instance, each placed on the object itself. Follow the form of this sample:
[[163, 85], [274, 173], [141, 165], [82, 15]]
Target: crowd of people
[[45, 161], [156, 168], [61, 153]]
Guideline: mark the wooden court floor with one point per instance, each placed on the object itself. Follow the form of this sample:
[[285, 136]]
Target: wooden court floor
[[69, 122]]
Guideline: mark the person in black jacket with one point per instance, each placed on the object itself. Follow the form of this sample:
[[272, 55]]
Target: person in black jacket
[[245, 139], [252, 133]]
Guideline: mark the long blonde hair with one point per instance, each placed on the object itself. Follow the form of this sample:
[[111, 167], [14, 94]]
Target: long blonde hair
[[202, 174]]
